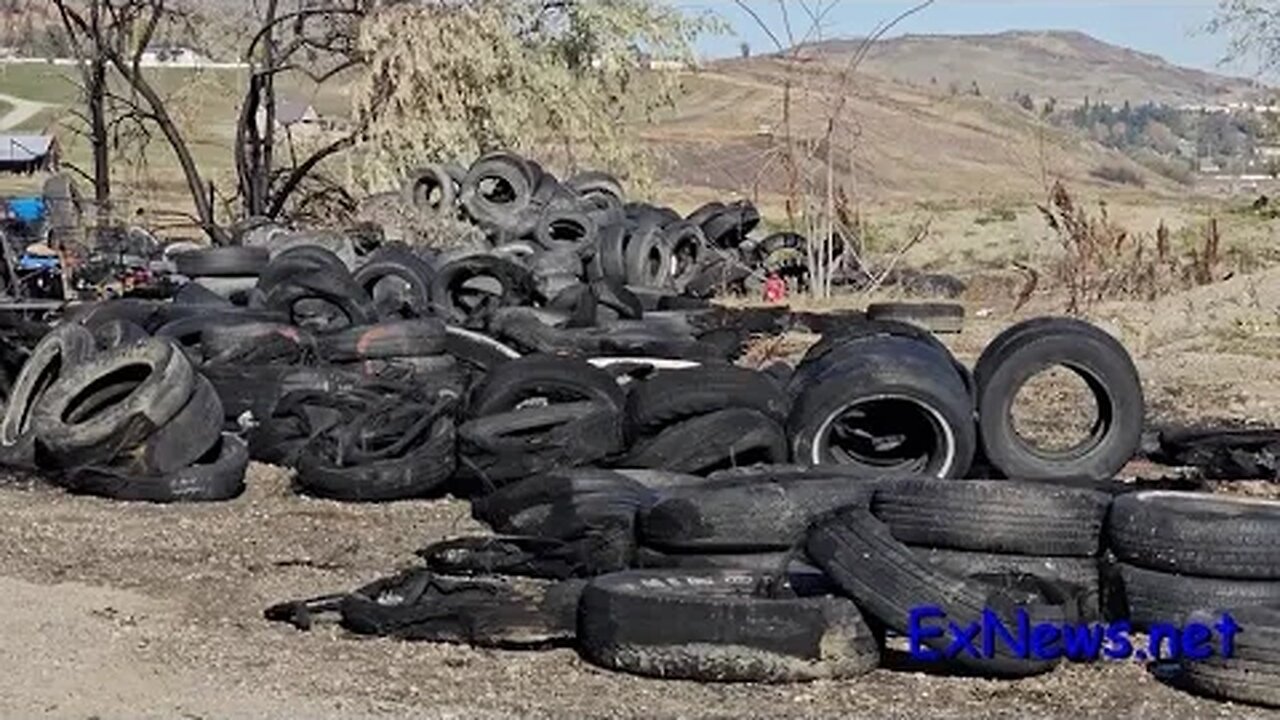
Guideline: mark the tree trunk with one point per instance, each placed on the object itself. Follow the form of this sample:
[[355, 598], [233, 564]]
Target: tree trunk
[[97, 91], [196, 184]]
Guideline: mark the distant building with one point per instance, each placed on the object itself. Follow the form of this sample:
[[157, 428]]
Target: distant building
[[294, 117], [174, 56], [28, 153]]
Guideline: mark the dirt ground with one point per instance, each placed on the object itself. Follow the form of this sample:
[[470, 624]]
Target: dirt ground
[[126, 610]]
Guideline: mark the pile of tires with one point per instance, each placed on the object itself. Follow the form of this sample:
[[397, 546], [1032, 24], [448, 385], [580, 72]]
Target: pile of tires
[[1050, 531], [118, 414]]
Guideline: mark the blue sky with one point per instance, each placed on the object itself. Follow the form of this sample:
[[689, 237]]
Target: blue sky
[[1170, 29]]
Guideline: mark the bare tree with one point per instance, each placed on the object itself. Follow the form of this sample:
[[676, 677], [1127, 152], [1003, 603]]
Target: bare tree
[[317, 39], [92, 67], [121, 33], [816, 201]]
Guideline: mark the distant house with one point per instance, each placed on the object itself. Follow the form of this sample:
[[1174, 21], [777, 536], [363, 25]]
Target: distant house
[[293, 117], [173, 55], [28, 153]]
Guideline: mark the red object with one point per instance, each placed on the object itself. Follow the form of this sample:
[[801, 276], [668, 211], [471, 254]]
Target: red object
[[775, 290]]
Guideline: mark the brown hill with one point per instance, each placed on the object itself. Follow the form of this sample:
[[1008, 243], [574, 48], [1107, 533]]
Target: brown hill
[[898, 143], [1068, 66]]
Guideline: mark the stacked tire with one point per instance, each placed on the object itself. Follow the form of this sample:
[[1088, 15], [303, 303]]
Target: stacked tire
[[703, 419], [535, 414], [1181, 552], [973, 528], [1191, 557], [229, 272], [129, 419]]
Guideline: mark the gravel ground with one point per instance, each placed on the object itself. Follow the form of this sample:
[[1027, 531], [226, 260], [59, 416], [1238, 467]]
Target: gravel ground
[[122, 610], [127, 610]]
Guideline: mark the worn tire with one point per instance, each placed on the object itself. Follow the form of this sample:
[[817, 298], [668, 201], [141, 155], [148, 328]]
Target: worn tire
[[1252, 674], [913, 412], [1153, 597], [394, 339], [934, 317], [477, 350], [447, 289], [1197, 534], [230, 261], [712, 442], [716, 626], [398, 281], [218, 475], [888, 580], [57, 354], [430, 190], [1020, 353], [748, 516], [556, 378], [676, 395], [1081, 573], [648, 258], [337, 289], [112, 403], [116, 333], [184, 439], [998, 516]]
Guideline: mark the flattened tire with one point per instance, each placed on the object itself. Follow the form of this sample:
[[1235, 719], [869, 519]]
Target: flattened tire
[[997, 516], [716, 626], [488, 612], [113, 403], [217, 476], [1105, 366], [747, 516], [1198, 534], [419, 473], [714, 441]]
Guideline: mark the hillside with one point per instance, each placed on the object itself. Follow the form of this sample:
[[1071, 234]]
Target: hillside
[[901, 144], [1068, 66]]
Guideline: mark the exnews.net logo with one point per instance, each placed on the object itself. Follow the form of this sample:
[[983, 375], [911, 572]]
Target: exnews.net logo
[[931, 636]]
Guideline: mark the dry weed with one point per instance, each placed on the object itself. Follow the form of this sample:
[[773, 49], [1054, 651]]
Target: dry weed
[[1104, 261]]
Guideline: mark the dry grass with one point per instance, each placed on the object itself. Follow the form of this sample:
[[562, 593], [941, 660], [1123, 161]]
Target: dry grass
[[1103, 260]]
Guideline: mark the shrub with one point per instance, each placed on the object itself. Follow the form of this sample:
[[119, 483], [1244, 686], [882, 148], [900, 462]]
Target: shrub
[[1118, 174]]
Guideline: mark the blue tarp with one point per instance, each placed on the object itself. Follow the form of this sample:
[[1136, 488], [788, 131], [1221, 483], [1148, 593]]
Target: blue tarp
[[27, 209], [35, 262]]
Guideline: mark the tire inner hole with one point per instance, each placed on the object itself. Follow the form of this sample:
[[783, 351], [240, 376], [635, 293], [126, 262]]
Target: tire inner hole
[[497, 190], [886, 433], [566, 230], [105, 392], [1056, 411]]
